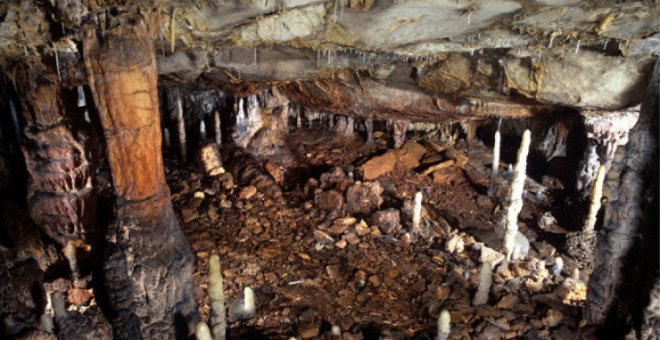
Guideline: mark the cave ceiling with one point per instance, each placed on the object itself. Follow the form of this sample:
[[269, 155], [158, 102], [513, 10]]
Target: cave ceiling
[[416, 58]]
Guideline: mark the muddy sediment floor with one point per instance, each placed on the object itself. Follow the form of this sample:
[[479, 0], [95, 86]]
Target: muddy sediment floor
[[322, 246]]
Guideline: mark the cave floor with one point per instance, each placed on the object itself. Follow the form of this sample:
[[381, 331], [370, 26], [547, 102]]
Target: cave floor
[[369, 283]]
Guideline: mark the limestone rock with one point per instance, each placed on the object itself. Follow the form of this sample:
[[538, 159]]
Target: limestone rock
[[329, 200], [388, 221], [363, 198]]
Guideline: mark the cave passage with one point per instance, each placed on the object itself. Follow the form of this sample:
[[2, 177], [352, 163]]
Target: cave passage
[[329, 170]]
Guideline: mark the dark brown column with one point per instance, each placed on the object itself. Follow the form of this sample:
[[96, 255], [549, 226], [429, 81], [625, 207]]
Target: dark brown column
[[148, 260], [60, 195], [626, 259]]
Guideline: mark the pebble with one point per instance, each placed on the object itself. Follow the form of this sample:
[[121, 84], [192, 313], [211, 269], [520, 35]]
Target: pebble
[[247, 192]]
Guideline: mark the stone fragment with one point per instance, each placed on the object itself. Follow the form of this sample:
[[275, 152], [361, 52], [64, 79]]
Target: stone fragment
[[455, 244], [247, 192], [362, 228], [490, 255], [329, 200], [211, 160], [308, 330], [378, 166], [363, 198], [507, 302], [212, 213], [323, 237], [338, 228], [352, 238], [388, 221]]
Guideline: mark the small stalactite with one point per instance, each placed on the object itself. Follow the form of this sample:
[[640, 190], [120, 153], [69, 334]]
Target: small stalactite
[[181, 127], [218, 127], [495, 166]]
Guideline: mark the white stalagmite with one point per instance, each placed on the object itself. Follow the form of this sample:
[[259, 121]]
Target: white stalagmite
[[417, 212], [596, 197], [444, 325], [249, 308], [181, 127], [218, 131], [70, 253], [496, 162], [216, 293], [202, 331], [485, 281], [558, 266], [514, 202]]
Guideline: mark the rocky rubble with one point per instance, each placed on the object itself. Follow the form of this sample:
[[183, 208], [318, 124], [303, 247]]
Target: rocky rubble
[[337, 250]]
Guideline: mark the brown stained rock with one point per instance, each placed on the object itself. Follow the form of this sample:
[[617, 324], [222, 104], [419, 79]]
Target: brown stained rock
[[275, 170], [406, 158], [364, 197], [329, 200], [362, 228], [388, 221], [308, 330], [323, 237], [78, 296], [508, 301], [338, 228], [451, 175], [247, 192], [352, 238], [346, 298], [378, 166]]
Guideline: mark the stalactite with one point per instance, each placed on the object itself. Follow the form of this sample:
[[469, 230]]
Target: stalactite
[[369, 126], [166, 138], [605, 132], [181, 127], [217, 124], [202, 130], [82, 102], [495, 166], [514, 202], [398, 128], [70, 253], [148, 262]]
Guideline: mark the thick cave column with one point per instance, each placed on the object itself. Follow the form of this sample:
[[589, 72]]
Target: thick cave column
[[605, 132], [60, 195], [626, 259], [148, 263]]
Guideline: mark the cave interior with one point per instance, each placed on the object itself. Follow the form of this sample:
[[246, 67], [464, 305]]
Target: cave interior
[[315, 169]]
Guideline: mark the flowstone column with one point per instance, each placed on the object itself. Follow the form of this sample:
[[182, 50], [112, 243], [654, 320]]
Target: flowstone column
[[148, 262], [627, 246], [61, 198]]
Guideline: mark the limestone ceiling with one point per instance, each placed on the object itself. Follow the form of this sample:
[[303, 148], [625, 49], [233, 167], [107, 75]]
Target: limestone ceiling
[[593, 54]]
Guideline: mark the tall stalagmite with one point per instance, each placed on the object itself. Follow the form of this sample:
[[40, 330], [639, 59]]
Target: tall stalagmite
[[148, 262], [57, 154]]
